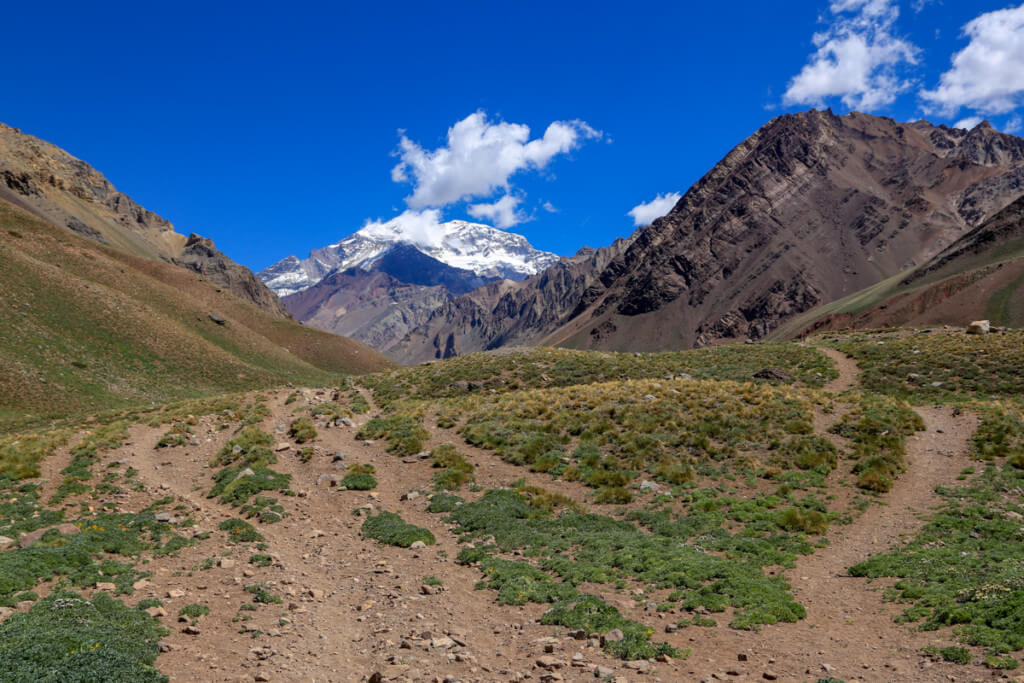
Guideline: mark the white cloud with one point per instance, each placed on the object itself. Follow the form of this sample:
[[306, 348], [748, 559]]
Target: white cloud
[[968, 123], [503, 213], [479, 159], [858, 58], [419, 227], [549, 207], [1013, 125], [988, 74], [644, 214]]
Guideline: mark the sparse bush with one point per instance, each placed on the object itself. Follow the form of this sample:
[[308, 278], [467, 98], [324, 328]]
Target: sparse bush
[[302, 430]]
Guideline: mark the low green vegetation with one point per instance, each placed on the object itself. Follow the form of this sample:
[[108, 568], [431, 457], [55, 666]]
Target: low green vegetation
[[878, 427], [20, 453], [251, 447], [950, 366], [390, 529], [360, 478], [240, 531], [506, 371], [65, 637], [302, 430], [85, 455], [965, 569], [404, 433], [608, 435], [454, 469]]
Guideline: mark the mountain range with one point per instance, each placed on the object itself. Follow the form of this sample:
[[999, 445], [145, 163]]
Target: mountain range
[[812, 208], [477, 250], [814, 221]]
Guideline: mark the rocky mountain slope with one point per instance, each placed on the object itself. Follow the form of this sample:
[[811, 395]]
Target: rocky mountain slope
[[86, 326], [978, 276], [487, 252], [811, 208], [55, 186], [370, 306]]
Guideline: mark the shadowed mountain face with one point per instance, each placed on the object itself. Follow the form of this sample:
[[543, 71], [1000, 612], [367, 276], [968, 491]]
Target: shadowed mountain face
[[55, 186], [811, 208]]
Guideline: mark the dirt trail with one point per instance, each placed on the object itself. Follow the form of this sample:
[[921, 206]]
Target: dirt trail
[[849, 632], [849, 373], [353, 607]]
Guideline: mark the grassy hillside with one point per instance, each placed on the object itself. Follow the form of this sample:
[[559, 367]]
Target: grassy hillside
[[85, 327]]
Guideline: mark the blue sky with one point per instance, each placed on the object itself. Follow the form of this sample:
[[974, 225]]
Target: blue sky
[[276, 128]]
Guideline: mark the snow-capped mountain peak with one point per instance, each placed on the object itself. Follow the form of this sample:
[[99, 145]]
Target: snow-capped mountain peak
[[488, 252]]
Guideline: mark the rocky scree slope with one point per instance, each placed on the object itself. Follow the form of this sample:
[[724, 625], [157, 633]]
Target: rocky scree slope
[[47, 181], [811, 208]]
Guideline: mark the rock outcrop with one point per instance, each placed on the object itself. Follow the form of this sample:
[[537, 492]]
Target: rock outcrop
[[55, 186]]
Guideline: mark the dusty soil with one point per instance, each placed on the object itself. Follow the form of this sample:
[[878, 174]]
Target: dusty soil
[[354, 608]]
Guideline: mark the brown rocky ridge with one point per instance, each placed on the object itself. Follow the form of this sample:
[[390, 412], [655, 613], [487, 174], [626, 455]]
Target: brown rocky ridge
[[47, 181]]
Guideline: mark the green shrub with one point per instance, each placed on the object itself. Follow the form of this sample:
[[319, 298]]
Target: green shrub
[[235, 489], [302, 430], [359, 481], [260, 560], [194, 611], [240, 531], [390, 529], [957, 655], [251, 446], [806, 521], [443, 502], [261, 595], [404, 433]]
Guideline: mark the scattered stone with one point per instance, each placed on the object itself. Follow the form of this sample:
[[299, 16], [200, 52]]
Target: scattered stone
[[283, 446], [741, 657], [191, 630], [247, 472], [31, 537], [774, 375], [329, 479], [613, 636], [315, 593], [106, 586], [411, 495], [770, 676], [671, 628], [444, 642], [549, 662], [156, 612], [648, 485], [217, 319], [416, 545], [639, 665], [603, 672], [140, 584], [5, 542], [338, 457], [315, 533], [430, 590], [226, 563], [175, 593], [979, 327], [163, 517]]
